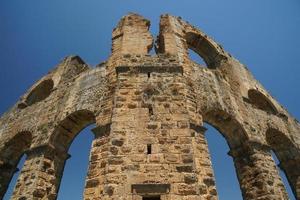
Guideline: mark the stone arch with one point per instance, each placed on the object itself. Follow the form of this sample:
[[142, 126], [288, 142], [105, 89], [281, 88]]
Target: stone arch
[[70, 127], [201, 45], [261, 101], [64, 134], [281, 144], [230, 128], [193, 56], [233, 132], [40, 92], [288, 155], [10, 155]]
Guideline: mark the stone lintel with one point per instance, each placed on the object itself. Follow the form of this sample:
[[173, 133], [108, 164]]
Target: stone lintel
[[150, 188]]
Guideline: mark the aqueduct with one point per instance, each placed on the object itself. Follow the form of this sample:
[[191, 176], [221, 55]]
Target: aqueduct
[[149, 112]]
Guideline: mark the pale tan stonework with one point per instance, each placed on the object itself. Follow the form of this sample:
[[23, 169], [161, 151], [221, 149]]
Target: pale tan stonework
[[149, 113]]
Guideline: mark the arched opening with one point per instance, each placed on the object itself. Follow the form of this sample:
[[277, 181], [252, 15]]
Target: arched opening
[[152, 52], [39, 93], [260, 101], [228, 126], [283, 177], [235, 136], [14, 179], [196, 58], [10, 156], [227, 183], [285, 155], [70, 127], [73, 177], [203, 47]]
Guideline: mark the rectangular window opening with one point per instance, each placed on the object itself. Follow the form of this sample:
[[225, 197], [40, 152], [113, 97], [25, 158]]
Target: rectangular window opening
[[149, 149], [149, 74]]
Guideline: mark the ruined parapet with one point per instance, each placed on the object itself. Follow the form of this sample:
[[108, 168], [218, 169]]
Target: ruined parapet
[[149, 113], [177, 36], [124, 38]]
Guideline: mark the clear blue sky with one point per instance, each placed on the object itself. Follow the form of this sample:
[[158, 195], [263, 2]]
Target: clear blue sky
[[35, 35]]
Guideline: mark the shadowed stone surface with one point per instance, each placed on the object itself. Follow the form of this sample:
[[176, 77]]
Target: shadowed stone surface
[[149, 113]]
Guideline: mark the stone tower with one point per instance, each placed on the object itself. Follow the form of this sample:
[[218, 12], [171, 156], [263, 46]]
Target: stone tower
[[149, 113]]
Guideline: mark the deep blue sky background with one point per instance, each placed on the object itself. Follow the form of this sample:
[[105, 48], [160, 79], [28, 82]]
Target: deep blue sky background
[[35, 35]]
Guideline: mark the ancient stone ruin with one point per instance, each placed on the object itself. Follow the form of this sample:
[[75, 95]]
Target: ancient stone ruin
[[149, 112]]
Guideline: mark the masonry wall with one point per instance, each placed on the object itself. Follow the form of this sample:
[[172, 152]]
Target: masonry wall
[[149, 113]]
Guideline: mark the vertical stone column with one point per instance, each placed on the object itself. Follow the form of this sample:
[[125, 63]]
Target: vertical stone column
[[94, 185], [171, 37], [257, 173], [41, 174], [203, 165]]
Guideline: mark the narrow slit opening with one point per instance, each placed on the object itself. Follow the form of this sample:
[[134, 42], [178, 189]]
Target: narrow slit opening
[[150, 110], [149, 149]]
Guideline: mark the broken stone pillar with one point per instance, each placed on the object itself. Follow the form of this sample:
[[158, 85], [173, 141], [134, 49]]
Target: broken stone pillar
[[177, 37], [171, 38], [257, 173], [41, 174], [124, 38]]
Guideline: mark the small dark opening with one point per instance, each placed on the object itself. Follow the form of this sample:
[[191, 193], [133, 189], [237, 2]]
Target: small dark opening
[[149, 149], [149, 74], [152, 198], [150, 110]]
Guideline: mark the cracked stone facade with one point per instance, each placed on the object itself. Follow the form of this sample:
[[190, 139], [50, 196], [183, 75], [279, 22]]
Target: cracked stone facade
[[149, 112]]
